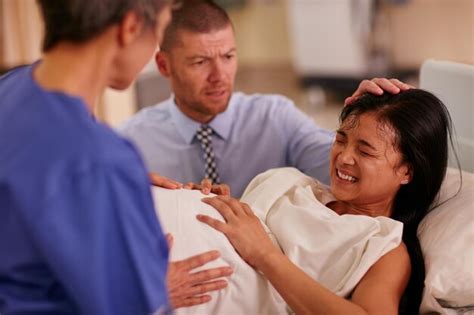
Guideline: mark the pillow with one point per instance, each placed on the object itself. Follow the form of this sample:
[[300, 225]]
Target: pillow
[[447, 242]]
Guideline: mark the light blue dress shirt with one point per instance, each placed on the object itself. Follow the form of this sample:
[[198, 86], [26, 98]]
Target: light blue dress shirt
[[256, 132]]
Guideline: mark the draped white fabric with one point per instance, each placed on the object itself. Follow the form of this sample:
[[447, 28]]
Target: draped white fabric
[[335, 250]]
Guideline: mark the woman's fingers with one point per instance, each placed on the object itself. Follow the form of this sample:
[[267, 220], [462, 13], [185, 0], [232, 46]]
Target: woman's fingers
[[215, 224], [220, 204]]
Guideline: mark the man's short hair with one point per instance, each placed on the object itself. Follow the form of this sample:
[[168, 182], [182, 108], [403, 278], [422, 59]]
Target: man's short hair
[[82, 20], [197, 16]]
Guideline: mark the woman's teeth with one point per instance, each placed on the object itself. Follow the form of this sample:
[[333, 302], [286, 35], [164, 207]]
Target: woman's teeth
[[346, 177]]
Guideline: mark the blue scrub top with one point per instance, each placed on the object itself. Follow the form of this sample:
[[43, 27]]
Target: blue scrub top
[[78, 231]]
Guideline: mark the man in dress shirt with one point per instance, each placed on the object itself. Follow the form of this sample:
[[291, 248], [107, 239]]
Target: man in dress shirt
[[248, 134]]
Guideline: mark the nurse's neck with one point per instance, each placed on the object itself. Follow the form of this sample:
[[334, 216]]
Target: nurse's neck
[[374, 209], [79, 70]]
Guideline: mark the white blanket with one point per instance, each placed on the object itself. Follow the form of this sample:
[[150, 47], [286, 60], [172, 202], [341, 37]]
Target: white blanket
[[334, 250]]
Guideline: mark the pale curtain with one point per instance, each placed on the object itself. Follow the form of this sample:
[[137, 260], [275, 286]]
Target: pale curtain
[[21, 31]]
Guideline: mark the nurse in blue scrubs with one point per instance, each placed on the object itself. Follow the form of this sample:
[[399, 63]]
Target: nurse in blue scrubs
[[78, 232]]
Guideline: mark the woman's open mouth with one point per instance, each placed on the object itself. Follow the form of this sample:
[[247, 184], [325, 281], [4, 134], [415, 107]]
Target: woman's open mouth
[[345, 177]]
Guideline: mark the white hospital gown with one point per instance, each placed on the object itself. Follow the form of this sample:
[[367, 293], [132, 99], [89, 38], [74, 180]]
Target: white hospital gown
[[335, 250]]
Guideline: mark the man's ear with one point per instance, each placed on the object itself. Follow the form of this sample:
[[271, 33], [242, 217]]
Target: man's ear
[[163, 63], [130, 28]]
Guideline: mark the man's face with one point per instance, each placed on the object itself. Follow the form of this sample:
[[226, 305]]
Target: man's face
[[201, 68]]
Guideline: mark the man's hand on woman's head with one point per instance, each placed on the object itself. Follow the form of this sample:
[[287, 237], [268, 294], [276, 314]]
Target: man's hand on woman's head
[[187, 287], [377, 86]]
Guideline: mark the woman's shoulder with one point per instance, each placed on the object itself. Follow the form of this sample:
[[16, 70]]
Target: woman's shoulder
[[397, 261]]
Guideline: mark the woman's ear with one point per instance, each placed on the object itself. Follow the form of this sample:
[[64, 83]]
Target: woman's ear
[[129, 29], [406, 174]]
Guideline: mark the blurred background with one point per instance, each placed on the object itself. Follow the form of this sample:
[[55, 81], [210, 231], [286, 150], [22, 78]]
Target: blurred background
[[313, 51]]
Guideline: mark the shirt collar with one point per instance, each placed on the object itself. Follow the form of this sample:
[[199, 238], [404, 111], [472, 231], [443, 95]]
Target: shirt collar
[[187, 127]]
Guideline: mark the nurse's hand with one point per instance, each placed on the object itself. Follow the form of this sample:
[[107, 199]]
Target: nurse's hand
[[206, 188], [164, 182], [188, 288], [377, 86], [242, 227]]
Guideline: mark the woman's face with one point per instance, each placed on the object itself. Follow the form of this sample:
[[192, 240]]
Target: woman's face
[[366, 168]]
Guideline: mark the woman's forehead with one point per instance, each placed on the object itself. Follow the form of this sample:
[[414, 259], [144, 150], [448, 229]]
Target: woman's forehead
[[369, 126]]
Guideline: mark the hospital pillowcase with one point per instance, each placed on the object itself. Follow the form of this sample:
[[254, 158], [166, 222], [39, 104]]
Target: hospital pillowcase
[[447, 240]]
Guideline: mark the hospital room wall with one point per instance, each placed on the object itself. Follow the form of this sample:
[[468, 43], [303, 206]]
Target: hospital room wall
[[420, 29]]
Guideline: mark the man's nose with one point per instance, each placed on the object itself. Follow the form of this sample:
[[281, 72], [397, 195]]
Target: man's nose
[[217, 71]]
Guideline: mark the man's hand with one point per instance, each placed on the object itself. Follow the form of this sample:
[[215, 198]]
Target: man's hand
[[206, 187], [377, 86], [164, 182], [188, 288]]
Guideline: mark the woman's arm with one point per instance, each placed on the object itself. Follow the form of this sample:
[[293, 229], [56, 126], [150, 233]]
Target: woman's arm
[[378, 292]]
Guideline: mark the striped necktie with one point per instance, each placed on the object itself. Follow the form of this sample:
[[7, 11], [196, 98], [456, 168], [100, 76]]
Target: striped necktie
[[203, 134]]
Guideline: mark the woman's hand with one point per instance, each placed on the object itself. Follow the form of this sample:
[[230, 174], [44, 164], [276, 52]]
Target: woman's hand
[[188, 288], [242, 228], [206, 187], [377, 86]]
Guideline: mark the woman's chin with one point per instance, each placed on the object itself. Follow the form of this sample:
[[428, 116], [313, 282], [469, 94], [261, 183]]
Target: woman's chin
[[343, 193]]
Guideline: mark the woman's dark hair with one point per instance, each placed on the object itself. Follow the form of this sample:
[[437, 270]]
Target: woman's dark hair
[[81, 20], [423, 130]]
